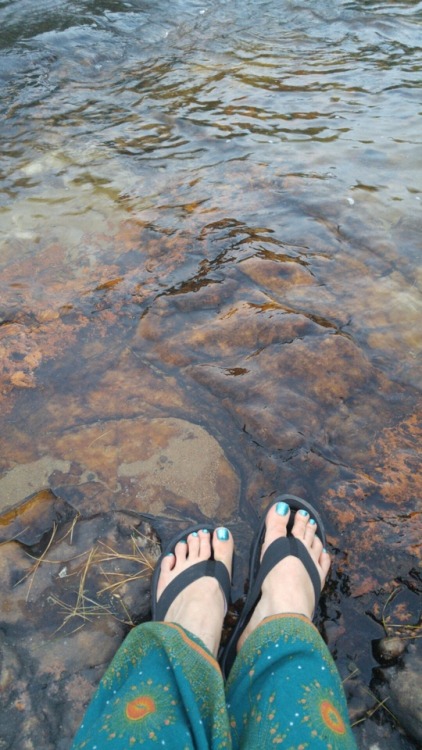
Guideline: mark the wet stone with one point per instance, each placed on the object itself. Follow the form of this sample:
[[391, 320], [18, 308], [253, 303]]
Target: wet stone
[[29, 520], [388, 650], [67, 603], [401, 687]]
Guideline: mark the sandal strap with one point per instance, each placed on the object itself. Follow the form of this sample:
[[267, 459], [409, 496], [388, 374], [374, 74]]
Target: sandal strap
[[276, 552], [206, 568]]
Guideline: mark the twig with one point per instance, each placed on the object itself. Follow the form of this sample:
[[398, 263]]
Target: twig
[[371, 712], [37, 564]]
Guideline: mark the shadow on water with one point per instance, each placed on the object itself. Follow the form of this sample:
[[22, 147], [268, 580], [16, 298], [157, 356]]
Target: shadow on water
[[209, 294]]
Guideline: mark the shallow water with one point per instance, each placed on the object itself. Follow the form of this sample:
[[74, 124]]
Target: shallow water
[[211, 223]]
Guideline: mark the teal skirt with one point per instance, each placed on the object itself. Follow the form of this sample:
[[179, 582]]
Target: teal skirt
[[164, 689]]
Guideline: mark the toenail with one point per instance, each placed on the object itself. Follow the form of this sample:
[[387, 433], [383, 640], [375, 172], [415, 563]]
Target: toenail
[[205, 531], [282, 509], [223, 534], [312, 521], [324, 550], [169, 554], [194, 533], [184, 541], [303, 512]]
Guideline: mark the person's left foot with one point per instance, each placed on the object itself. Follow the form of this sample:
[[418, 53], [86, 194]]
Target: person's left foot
[[200, 607], [288, 589]]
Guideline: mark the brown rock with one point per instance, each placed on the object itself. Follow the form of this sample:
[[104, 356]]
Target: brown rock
[[28, 521], [137, 464]]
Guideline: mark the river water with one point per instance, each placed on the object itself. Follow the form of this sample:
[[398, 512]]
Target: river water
[[210, 221]]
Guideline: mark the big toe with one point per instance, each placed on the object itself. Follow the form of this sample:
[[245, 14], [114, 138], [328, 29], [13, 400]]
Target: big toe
[[276, 523]]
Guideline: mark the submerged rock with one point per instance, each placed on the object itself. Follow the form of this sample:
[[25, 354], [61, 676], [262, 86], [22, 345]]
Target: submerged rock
[[146, 465]]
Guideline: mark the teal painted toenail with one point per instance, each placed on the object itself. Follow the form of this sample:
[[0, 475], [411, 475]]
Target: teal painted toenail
[[184, 541], [205, 531], [223, 534], [303, 512], [169, 554], [282, 509], [194, 533], [312, 521], [324, 550]]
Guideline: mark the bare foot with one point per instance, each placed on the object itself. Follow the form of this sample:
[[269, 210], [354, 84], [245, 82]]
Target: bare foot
[[287, 588], [201, 606]]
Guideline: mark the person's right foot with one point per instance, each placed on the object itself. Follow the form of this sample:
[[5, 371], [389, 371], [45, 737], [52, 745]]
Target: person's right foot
[[200, 607], [288, 588]]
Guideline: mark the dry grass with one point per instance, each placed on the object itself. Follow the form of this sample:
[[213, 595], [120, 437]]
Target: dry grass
[[38, 562], [99, 559], [43, 558], [370, 711], [85, 608], [399, 629], [111, 555]]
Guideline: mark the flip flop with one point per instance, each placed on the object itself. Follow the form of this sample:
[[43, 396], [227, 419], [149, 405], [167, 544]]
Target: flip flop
[[277, 551], [212, 568]]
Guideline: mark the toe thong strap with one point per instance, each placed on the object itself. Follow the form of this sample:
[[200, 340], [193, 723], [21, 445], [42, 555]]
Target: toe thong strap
[[277, 551], [212, 568]]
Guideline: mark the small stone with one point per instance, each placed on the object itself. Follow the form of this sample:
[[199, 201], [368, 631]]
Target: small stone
[[388, 650]]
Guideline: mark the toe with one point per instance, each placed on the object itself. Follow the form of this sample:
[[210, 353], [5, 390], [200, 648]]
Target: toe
[[167, 563], [300, 524], [325, 562], [275, 524], [316, 547], [279, 515], [204, 544], [310, 531], [222, 544], [193, 545], [181, 550], [277, 519]]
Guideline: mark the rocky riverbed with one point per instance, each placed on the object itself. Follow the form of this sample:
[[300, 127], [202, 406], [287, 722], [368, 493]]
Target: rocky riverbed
[[210, 293]]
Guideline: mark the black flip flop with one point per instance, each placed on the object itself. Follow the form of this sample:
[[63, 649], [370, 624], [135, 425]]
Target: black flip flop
[[213, 568], [258, 570]]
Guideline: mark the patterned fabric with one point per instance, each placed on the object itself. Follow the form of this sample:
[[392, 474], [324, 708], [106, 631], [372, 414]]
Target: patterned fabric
[[164, 689], [284, 688]]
